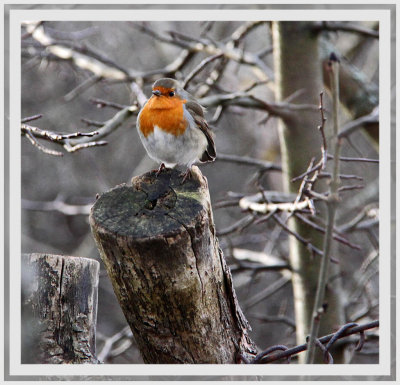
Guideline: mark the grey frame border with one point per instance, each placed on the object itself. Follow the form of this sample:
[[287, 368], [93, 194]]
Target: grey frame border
[[8, 377]]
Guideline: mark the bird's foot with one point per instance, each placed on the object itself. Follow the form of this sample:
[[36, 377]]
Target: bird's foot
[[186, 175], [158, 171]]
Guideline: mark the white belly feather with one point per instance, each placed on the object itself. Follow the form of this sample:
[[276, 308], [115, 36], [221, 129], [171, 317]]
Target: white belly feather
[[173, 150]]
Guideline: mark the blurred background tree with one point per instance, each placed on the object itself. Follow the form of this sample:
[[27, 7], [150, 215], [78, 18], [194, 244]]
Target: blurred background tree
[[260, 83]]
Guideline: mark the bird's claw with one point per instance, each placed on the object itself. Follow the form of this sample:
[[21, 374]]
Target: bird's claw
[[186, 175], [158, 171]]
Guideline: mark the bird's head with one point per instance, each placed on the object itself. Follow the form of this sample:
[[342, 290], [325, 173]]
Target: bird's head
[[169, 88]]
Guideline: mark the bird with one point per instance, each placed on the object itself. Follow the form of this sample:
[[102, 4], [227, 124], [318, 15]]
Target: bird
[[173, 129]]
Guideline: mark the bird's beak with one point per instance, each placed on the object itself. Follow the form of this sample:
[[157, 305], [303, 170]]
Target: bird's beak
[[156, 92]]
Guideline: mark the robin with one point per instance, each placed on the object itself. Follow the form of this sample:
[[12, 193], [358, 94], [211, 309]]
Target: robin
[[173, 129]]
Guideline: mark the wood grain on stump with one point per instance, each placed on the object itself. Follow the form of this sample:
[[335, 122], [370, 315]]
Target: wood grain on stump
[[157, 240], [60, 308]]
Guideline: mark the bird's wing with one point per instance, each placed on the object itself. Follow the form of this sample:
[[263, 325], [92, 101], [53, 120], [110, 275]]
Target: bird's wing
[[197, 112]]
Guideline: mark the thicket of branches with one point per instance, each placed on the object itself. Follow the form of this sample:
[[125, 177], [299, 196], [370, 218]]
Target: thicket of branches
[[84, 83]]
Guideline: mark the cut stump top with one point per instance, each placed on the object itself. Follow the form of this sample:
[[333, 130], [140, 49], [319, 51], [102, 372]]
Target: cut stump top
[[152, 205]]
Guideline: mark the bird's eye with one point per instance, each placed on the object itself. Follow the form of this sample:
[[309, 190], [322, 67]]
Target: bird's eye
[[171, 93]]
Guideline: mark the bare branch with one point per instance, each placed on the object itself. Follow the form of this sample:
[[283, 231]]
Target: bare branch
[[304, 241], [257, 259], [58, 205], [245, 100], [238, 226], [350, 159], [322, 230], [109, 343], [140, 96], [245, 160], [90, 122], [82, 57], [85, 85], [110, 125], [358, 224], [278, 318], [244, 29], [252, 203], [301, 348], [77, 140], [341, 176], [364, 312], [33, 29], [269, 290], [100, 103], [199, 68], [28, 134], [196, 45], [81, 146], [31, 118], [55, 137], [332, 201], [352, 126], [71, 35], [345, 27]]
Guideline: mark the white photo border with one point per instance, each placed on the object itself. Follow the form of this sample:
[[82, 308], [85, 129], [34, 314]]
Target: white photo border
[[12, 267]]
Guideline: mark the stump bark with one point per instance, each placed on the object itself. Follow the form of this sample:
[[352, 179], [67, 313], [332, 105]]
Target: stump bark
[[157, 240], [59, 309]]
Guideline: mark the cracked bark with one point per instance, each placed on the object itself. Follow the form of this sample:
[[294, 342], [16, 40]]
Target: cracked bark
[[59, 309], [157, 241]]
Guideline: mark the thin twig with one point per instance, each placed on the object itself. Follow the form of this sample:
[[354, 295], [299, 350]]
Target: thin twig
[[350, 159], [58, 205], [82, 87], [100, 103], [304, 241], [332, 202], [77, 140], [199, 68], [72, 35], [268, 291], [90, 122], [352, 126], [244, 29], [278, 318], [245, 160], [238, 226], [107, 349], [322, 230], [340, 26], [32, 139], [31, 118]]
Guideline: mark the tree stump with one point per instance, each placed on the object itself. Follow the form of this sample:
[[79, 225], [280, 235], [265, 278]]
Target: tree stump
[[157, 240], [60, 309]]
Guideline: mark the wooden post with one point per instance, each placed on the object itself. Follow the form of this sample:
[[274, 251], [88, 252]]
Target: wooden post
[[59, 309], [157, 240]]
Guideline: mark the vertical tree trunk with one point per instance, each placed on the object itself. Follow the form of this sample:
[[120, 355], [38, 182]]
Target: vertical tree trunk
[[298, 67], [60, 309], [157, 240]]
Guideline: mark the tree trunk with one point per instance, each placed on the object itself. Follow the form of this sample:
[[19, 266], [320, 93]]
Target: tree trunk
[[61, 308], [298, 67], [157, 240]]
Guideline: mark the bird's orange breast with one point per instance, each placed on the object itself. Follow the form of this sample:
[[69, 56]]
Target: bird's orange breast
[[164, 112]]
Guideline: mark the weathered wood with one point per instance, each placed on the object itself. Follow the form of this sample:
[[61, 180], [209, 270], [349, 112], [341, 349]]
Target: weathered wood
[[157, 240], [61, 305]]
